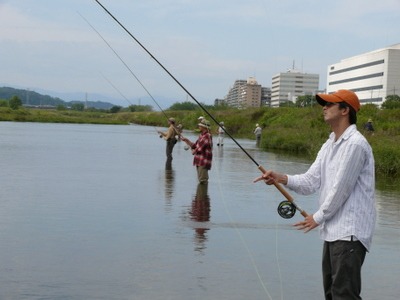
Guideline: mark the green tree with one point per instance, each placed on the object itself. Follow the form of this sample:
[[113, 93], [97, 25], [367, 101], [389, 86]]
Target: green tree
[[306, 100], [184, 106], [136, 108], [61, 107], [3, 103], [78, 106], [391, 102], [115, 109], [15, 102]]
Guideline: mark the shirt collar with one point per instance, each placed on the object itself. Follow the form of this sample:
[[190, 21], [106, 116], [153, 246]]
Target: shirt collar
[[345, 135]]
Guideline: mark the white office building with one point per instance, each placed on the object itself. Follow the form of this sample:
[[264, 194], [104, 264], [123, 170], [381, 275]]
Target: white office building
[[288, 86], [372, 76]]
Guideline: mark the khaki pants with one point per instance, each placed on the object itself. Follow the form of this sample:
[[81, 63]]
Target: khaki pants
[[202, 174]]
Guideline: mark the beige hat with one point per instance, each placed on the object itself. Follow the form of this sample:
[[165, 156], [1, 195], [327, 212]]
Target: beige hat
[[172, 120], [204, 123], [200, 118], [257, 125]]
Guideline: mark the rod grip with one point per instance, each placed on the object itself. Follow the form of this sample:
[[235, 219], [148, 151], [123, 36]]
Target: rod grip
[[285, 193]]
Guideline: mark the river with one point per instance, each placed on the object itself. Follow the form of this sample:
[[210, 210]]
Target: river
[[91, 212]]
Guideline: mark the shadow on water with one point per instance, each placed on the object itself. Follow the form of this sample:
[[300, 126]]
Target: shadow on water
[[200, 213]]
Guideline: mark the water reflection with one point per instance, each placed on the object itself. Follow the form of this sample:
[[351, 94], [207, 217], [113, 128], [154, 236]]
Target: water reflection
[[169, 186], [200, 212], [388, 206]]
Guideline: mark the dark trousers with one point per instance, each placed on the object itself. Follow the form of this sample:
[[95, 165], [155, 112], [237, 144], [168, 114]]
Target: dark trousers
[[341, 269], [170, 146]]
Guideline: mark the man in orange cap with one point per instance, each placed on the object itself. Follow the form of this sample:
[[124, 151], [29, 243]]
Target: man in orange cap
[[344, 175]]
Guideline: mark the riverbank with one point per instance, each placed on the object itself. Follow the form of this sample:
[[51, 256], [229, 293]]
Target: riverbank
[[299, 131]]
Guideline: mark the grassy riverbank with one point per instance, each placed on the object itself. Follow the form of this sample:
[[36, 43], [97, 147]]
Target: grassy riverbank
[[299, 131]]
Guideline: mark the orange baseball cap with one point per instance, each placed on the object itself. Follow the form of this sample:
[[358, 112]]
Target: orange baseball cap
[[340, 96]]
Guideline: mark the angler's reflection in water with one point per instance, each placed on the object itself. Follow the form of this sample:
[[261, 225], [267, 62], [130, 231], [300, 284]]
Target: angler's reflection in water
[[169, 186], [200, 212], [220, 152]]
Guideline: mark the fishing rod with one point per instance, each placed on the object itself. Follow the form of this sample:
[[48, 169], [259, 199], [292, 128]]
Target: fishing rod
[[177, 130], [122, 95], [286, 209], [124, 63]]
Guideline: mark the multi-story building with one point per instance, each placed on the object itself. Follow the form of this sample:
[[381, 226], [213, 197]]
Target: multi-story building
[[288, 86], [265, 96], [372, 76], [244, 93]]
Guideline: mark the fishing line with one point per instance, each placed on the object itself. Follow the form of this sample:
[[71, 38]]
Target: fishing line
[[123, 62], [249, 253], [277, 185], [119, 92]]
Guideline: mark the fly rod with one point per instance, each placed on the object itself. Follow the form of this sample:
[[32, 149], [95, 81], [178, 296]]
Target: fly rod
[[287, 208], [124, 63], [177, 130]]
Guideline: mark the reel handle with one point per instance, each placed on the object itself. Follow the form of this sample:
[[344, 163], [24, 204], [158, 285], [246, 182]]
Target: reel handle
[[286, 194]]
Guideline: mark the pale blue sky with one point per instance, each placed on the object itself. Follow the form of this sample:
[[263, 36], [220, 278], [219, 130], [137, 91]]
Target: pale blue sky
[[207, 45]]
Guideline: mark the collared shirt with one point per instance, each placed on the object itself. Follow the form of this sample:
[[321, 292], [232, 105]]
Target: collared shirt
[[257, 131], [170, 134], [344, 174], [202, 150]]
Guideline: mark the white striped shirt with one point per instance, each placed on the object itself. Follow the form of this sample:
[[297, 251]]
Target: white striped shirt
[[344, 173]]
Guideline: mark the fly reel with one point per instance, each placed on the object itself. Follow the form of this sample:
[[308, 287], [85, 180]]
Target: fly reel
[[286, 209]]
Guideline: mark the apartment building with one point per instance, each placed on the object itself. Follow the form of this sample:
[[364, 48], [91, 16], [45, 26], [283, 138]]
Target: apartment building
[[288, 86], [372, 75], [244, 93]]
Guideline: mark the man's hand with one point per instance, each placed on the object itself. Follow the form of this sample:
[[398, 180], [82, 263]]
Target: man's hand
[[307, 225], [270, 177]]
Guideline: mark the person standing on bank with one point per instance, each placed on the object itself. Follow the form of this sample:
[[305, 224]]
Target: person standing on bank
[[202, 151], [369, 127], [170, 137], [344, 174], [257, 133], [221, 133]]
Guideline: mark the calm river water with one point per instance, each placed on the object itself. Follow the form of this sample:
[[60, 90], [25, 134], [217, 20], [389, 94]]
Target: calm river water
[[90, 212]]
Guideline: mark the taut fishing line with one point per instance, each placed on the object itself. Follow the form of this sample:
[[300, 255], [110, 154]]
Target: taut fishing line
[[290, 201]]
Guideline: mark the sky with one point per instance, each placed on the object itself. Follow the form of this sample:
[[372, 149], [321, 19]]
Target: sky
[[76, 49]]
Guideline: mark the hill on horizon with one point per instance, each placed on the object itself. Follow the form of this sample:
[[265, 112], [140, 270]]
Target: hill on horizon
[[29, 97]]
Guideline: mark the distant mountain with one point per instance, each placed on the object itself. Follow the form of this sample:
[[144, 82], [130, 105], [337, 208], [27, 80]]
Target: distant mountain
[[29, 97], [45, 97]]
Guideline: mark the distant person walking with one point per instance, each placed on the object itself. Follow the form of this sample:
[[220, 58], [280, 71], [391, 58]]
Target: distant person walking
[[171, 137], [202, 151], [369, 127], [257, 133], [221, 134]]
